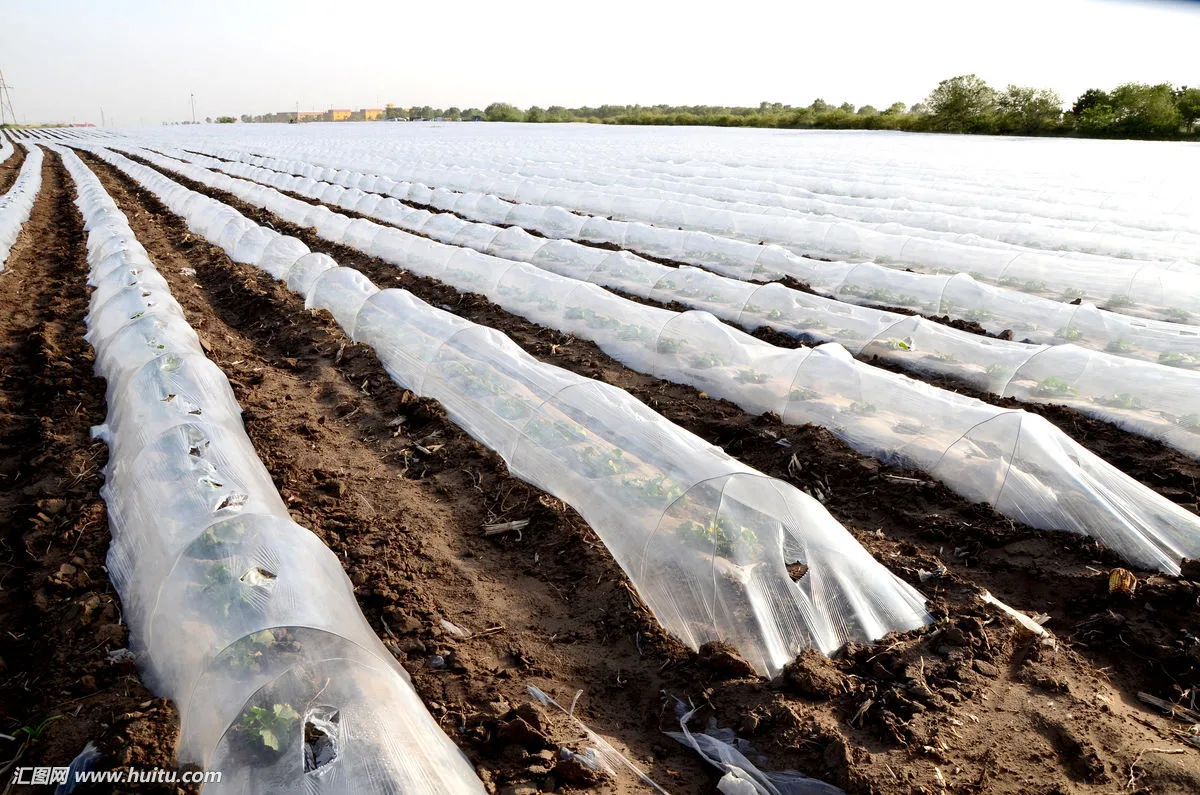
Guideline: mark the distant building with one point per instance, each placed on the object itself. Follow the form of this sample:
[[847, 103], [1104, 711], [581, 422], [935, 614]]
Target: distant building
[[372, 114], [340, 114], [309, 115]]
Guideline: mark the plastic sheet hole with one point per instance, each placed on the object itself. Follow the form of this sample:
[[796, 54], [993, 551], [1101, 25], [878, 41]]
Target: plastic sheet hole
[[260, 577], [211, 483], [797, 571], [320, 738], [233, 502], [199, 448]]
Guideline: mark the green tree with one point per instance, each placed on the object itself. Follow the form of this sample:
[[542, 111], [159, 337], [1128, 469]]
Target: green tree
[[1027, 110], [452, 114], [502, 111], [1188, 102], [471, 114], [1092, 98], [896, 108], [963, 104], [1146, 111], [226, 120], [535, 114]]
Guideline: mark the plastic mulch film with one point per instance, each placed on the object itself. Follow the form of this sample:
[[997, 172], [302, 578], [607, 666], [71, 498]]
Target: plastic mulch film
[[7, 149], [17, 204], [1017, 462], [243, 618], [705, 539], [1146, 288], [1147, 398], [1030, 317]]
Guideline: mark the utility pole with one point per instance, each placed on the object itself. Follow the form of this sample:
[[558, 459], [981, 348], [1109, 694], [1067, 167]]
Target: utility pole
[[193, 96], [6, 102], [102, 117]]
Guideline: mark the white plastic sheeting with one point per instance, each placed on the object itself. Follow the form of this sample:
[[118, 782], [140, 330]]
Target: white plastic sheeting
[[1017, 462], [240, 616], [7, 149], [1146, 288], [1032, 318], [705, 539], [17, 203], [996, 309], [1143, 397]]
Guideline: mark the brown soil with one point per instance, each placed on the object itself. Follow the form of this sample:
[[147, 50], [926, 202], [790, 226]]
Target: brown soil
[[968, 705], [10, 168]]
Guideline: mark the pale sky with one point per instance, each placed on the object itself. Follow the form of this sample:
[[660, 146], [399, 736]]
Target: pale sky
[[140, 60]]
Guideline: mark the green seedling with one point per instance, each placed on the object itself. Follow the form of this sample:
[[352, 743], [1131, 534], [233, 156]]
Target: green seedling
[[750, 376], [34, 733], [863, 409], [222, 591], [1119, 345], [654, 491], [1053, 387], [265, 728], [999, 370], [1072, 294], [1120, 400], [706, 360], [1177, 359], [249, 653], [896, 344], [1116, 301], [1069, 334], [597, 464], [1177, 315], [721, 537], [212, 542], [978, 315], [511, 408], [803, 393]]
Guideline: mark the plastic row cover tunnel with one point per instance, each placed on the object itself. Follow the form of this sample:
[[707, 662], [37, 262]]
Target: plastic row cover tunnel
[[1017, 462], [7, 149], [1146, 289], [704, 539], [17, 204], [997, 309], [731, 194], [1143, 397], [945, 194], [240, 616]]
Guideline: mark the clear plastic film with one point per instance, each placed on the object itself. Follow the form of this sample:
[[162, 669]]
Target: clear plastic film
[[1037, 474], [1157, 283], [17, 203], [1161, 403], [1035, 315], [704, 539], [243, 618]]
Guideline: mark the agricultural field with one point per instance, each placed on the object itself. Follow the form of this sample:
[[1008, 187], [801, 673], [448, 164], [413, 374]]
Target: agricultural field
[[558, 458]]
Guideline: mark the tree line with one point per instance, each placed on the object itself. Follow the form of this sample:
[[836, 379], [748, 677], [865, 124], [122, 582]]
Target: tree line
[[963, 104]]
